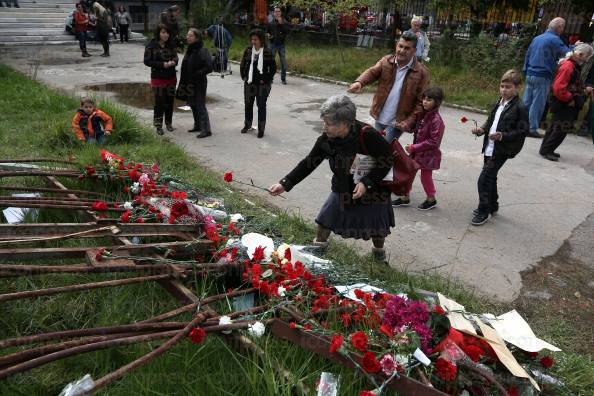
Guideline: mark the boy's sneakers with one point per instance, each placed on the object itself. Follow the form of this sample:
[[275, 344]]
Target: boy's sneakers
[[480, 219], [401, 202], [427, 205]]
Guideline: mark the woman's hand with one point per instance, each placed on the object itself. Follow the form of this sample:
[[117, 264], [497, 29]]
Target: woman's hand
[[359, 190], [276, 189]]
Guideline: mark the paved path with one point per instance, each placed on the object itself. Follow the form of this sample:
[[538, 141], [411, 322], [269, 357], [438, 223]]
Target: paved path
[[541, 202]]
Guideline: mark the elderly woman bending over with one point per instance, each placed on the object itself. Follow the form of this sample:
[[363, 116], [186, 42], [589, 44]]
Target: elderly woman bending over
[[354, 209]]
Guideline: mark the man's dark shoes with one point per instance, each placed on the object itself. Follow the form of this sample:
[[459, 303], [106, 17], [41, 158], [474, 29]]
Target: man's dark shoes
[[492, 211], [556, 155], [170, 128], [194, 129], [284, 82], [203, 134], [160, 131], [535, 134], [427, 205], [401, 202], [245, 129], [551, 157], [480, 219]]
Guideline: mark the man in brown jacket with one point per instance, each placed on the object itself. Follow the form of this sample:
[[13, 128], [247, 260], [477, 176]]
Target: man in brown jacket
[[402, 80]]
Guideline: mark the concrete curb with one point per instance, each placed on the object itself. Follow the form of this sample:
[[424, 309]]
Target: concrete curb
[[344, 83]]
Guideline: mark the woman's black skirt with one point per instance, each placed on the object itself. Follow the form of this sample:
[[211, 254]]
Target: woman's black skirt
[[356, 221]]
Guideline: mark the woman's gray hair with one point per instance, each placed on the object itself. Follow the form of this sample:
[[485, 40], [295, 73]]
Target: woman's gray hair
[[337, 109], [581, 48]]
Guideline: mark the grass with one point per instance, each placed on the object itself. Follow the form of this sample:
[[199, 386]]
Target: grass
[[461, 86], [34, 122]]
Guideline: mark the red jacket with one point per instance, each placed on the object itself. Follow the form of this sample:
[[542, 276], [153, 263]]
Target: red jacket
[[428, 133], [568, 82]]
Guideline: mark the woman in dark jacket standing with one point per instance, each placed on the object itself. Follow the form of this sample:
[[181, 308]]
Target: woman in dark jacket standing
[[192, 85], [257, 71], [357, 207], [160, 55]]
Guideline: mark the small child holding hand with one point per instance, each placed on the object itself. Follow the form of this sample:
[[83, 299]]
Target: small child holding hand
[[91, 124], [428, 133]]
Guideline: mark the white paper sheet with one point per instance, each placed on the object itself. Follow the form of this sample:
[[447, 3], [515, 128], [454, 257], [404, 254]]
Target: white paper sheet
[[515, 330], [349, 291], [17, 215], [185, 108], [252, 240], [457, 319]]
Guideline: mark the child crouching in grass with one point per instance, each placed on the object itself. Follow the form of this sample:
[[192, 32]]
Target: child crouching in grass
[[91, 124], [428, 133]]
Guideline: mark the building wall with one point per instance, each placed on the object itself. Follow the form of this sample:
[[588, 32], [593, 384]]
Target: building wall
[[154, 9]]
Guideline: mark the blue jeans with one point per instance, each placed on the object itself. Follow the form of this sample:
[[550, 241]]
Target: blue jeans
[[280, 48], [535, 98], [98, 139], [391, 132], [82, 40]]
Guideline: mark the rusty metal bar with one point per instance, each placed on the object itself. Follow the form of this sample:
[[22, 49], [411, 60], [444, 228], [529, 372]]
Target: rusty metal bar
[[321, 346], [29, 270], [81, 287], [27, 160], [45, 205], [132, 229], [80, 252], [52, 190]]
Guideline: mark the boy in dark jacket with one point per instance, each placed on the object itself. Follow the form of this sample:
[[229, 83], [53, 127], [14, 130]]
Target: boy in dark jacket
[[505, 131], [91, 124]]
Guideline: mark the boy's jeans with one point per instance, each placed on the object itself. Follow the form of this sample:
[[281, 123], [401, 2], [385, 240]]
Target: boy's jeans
[[99, 138], [535, 98], [391, 132]]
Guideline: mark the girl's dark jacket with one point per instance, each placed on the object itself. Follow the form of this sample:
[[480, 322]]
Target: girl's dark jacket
[[257, 78], [513, 125], [340, 154], [155, 56], [196, 64]]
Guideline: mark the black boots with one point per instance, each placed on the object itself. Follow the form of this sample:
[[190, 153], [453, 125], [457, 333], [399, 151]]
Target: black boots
[[246, 127], [261, 127]]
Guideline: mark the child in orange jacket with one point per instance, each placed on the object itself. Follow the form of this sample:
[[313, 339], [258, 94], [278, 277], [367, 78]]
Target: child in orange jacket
[[91, 124]]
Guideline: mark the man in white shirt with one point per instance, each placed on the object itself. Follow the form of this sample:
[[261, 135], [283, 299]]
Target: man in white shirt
[[402, 80]]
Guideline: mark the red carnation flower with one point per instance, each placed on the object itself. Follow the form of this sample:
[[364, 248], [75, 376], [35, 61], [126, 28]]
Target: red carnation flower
[[336, 343], [228, 177], [258, 254], [100, 206], [474, 352], [359, 294], [438, 310], [386, 330], [445, 370], [346, 320], [125, 217], [463, 120], [197, 335], [288, 254], [367, 393], [293, 325], [370, 363], [547, 362], [99, 255], [513, 391], [359, 341]]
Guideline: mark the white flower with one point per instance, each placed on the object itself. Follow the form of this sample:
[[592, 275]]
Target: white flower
[[225, 320], [236, 217], [144, 179], [153, 201], [284, 261], [128, 205], [257, 329], [281, 291], [135, 188]]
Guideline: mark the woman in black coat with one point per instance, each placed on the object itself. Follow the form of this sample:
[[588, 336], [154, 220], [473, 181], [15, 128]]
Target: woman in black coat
[[257, 71], [160, 55], [196, 65]]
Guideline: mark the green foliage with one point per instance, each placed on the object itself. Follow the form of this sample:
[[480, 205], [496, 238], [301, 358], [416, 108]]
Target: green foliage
[[205, 13]]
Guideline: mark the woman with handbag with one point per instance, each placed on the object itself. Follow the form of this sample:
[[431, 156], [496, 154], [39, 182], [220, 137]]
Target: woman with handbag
[[196, 64], [358, 207]]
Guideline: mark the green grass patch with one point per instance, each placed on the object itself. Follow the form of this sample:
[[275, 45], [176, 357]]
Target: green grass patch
[[35, 122]]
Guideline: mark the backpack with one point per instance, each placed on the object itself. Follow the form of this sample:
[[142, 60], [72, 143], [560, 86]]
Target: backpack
[[404, 169]]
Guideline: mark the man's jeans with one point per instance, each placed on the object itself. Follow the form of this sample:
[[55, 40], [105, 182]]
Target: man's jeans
[[280, 48], [535, 98], [391, 132]]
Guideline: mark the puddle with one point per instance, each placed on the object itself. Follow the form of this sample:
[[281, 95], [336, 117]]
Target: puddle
[[137, 95]]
